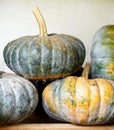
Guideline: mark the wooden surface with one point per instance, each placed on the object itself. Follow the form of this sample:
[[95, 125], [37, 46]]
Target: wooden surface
[[45, 123], [41, 121], [55, 126]]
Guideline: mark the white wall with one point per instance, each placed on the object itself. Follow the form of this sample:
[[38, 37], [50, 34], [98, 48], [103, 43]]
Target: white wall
[[81, 18]]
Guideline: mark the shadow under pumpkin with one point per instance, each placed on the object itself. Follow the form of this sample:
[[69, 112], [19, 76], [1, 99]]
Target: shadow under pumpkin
[[39, 115]]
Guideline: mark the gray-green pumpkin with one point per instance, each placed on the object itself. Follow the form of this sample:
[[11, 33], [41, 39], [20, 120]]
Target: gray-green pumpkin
[[18, 98], [46, 56], [102, 53]]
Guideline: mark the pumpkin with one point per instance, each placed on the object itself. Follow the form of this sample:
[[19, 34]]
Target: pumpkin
[[45, 56], [80, 100], [18, 98], [102, 53]]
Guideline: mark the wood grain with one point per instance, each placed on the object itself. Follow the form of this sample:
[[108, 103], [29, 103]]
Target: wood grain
[[55, 126]]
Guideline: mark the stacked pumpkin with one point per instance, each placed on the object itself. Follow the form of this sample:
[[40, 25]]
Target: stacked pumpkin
[[46, 56], [41, 57], [102, 53], [84, 101], [18, 98], [57, 56]]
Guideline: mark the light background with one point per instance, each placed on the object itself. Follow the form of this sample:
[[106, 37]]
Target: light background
[[80, 18]]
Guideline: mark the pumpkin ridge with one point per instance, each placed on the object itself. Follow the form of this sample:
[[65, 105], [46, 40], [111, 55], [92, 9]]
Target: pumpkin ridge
[[12, 52], [100, 98], [66, 43], [75, 100], [42, 56], [71, 103], [31, 92], [1, 105], [12, 109], [83, 100], [17, 54], [57, 91], [51, 55], [80, 51], [103, 111], [110, 107], [34, 97], [110, 114], [28, 57], [60, 101], [89, 100], [64, 58], [27, 105], [15, 94], [62, 108], [14, 112], [46, 46], [67, 103], [20, 69], [73, 39], [70, 53], [79, 46], [36, 65], [94, 101], [8, 52], [26, 44], [21, 110], [14, 101], [77, 53]]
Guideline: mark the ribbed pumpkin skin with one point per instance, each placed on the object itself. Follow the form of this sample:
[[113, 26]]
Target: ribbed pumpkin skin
[[80, 101], [47, 57], [18, 99], [102, 53]]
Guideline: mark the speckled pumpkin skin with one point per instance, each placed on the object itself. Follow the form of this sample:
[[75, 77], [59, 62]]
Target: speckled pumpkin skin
[[18, 98], [80, 100], [102, 53], [47, 57]]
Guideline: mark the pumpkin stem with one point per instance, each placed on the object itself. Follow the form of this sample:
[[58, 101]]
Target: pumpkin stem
[[41, 22], [85, 72]]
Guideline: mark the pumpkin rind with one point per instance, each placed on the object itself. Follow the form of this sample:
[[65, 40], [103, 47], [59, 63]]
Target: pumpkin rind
[[18, 98], [80, 101], [102, 53], [46, 56]]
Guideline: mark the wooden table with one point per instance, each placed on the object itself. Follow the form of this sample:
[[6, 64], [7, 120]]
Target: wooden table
[[45, 123], [54, 126]]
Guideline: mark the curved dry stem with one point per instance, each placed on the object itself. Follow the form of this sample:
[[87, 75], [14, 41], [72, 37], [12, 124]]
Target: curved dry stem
[[85, 72], [40, 21]]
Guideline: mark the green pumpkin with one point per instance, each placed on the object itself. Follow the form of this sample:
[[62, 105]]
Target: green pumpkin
[[18, 98], [102, 53], [46, 56]]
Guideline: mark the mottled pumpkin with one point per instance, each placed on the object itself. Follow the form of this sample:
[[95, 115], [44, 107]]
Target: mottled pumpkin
[[18, 98], [46, 56], [102, 53], [79, 100]]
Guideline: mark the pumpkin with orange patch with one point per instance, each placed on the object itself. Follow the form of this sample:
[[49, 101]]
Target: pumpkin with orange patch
[[79, 100]]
